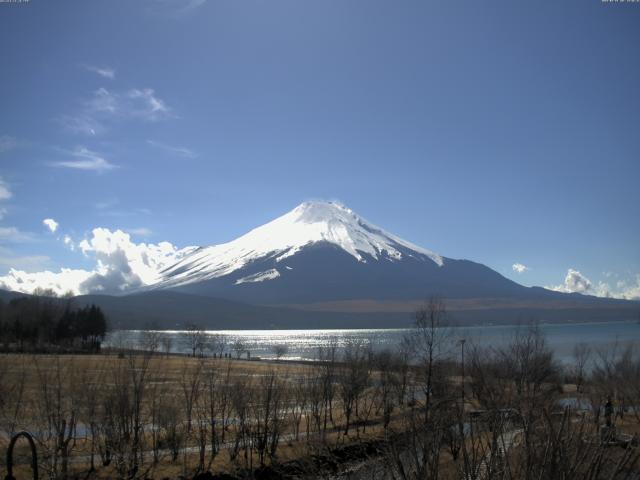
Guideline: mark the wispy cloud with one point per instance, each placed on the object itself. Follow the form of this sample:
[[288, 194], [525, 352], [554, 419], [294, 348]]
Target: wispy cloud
[[104, 101], [135, 103], [105, 107], [148, 105], [7, 143], [28, 263], [81, 124], [111, 208], [14, 234], [124, 213], [85, 159], [9, 234], [519, 268], [5, 191], [51, 224], [105, 204], [180, 151], [174, 7], [104, 72], [141, 232]]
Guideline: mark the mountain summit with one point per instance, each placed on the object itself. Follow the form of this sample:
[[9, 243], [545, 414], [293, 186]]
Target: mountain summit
[[308, 224]]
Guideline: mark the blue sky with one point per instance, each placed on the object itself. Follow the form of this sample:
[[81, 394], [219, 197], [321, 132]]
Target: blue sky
[[499, 131]]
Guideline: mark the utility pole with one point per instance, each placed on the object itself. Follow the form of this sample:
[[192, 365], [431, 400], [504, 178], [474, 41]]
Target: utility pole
[[462, 342]]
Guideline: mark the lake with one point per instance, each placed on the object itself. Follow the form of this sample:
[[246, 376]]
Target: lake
[[304, 344]]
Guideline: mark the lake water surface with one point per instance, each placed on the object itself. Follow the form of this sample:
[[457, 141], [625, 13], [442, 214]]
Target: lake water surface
[[304, 344]]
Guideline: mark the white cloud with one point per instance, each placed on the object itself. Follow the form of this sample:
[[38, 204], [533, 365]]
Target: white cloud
[[7, 143], [519, 267], [3, 212], [180, 151], [51, 224], [5, 191], [629, 290], [120, 265], [105, 72], [576, 282], [68, 241], [60, 282], [86, 159]]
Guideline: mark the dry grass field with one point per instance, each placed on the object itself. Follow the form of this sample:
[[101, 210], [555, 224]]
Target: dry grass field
[[92, 399], [360, 414]]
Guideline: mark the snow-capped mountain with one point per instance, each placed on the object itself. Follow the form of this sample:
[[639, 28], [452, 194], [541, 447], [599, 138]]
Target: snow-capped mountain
[[323, 251], [308, 224]]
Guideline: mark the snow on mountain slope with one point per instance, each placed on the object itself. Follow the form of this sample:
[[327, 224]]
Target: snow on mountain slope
[[259, 277], [305, 225]]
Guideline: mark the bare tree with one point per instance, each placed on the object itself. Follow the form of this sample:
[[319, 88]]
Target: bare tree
[[239, 346], [353, 378], [298, 403], [430, 342], [317, 400], [150, 339], [518, 385], [167, 344], [190, 380], [280, 350], [58, 409], [211, 412], [267, 415], [387, 381], [581, 358], [241, 396], [194, 339], [169, 421], [216, 344], [327, 356], [89, 404], [12, 393], [156, 394]]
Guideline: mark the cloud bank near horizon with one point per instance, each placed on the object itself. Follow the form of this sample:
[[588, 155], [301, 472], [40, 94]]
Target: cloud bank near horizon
[[121, 265], [576, 282]]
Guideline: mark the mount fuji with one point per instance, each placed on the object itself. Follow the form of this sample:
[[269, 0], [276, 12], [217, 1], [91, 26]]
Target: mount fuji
[[321, 252]]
